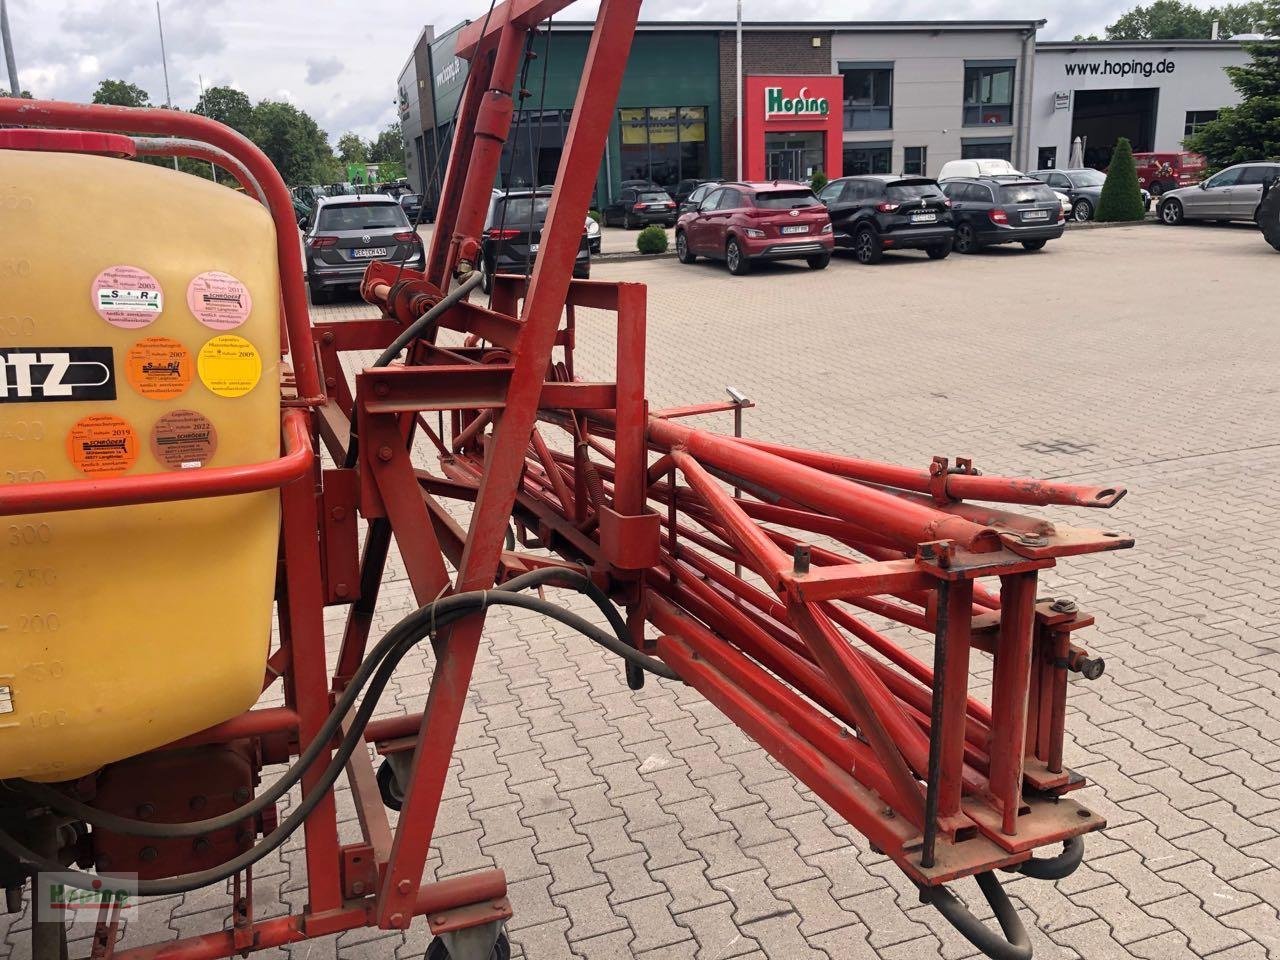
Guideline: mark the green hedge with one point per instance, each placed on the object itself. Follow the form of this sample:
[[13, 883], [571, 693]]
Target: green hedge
[[596, 216], [1121, 198], [652, 239]]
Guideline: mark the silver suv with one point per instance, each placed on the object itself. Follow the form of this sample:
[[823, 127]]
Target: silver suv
[[1231, 194], [344, 233]]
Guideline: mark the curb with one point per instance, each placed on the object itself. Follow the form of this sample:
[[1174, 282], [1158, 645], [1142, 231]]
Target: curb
[[1095, 225], [625, 257]]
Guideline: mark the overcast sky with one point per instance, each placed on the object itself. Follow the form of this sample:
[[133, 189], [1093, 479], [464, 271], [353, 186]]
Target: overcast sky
[[339, 60]]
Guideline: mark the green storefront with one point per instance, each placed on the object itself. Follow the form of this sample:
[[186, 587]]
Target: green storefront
[[666, 127]]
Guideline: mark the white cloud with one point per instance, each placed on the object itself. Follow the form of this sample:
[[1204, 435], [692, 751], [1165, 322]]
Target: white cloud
[[323, 69]]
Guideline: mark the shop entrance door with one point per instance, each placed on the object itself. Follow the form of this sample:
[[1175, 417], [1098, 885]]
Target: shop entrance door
[[794, 156]]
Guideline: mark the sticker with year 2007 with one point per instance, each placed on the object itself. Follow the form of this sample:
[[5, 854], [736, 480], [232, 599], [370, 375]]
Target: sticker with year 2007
[[184, 440], [127, 297], [102, 445], [229, 365], [158, 368]]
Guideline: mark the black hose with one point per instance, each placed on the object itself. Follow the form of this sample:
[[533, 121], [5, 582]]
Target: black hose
[[1055, 868], [1014, 945]]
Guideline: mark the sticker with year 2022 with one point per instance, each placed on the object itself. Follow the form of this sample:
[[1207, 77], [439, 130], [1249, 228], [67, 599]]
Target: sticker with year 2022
[[158, 368], [102, 445], [228, 365], [184, 440], [127, 297], [219, 300]]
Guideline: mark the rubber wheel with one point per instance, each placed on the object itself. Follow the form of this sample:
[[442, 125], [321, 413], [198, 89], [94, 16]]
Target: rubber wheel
[[866, 246], [1033, 245], [683, 253], [966, 241], [626, 222], [1082, 212], [486, 280], [318, 293], [939, 251], [436, 950], [1268, 217], [735, 260], [1171, 212], [389, 788], [818, 261]]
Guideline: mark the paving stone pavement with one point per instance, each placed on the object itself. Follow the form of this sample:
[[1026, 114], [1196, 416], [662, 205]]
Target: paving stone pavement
[[646, 825]]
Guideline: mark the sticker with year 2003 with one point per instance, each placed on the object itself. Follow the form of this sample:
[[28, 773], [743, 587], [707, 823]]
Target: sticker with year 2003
[[102, 445], [219, 300], [158, 368], [229, 365], [127, 297], [184, 440]]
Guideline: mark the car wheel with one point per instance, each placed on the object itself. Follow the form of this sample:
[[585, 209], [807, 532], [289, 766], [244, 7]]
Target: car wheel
[[486, 280], [866, 246], [939, 251], [683, 253], [1171, 212], [1033, 245], [818, 261], [318, 292], [966, 239], [735, 259], [626, 221], [1082, 212]]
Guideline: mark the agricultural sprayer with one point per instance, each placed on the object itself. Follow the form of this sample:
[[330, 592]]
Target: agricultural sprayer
[[188, 466]]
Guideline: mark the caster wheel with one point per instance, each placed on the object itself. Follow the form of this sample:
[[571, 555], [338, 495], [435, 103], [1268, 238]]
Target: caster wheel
[[436, 950], [389, 786]]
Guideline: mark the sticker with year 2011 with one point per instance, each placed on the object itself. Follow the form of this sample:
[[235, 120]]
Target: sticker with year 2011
[[219, 300]]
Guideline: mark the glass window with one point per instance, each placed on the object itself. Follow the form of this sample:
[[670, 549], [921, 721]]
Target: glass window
[[915, 161], [1197, 119], [1058, 180], [362, 216], [518, 210], [1255, 175], [912, 191], [1086, 178], [1027, 193], [1226, 178], [785, 199], [729, 200], [986, 150], [868, 98], [866, 159], [831, 192], [988, 96], [663, 144]]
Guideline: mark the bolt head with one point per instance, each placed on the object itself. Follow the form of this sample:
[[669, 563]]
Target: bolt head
[[404, 886], [145, 810], [358, 887], [148, 854], [385, 453], [342, 590], [338, 513], [397, 920], [381, 389]]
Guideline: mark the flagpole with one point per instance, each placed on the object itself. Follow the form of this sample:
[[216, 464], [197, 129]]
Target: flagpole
[[164, 62], [15, 88], [738, 80]]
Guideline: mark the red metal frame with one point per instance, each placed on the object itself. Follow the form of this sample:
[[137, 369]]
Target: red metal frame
[[707, 537]]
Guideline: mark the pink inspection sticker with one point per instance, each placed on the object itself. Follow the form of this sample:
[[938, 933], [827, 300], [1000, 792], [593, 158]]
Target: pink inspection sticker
[[219, 300], [127, 297]]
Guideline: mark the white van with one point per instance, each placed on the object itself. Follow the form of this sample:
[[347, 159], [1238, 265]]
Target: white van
[[977, 168]]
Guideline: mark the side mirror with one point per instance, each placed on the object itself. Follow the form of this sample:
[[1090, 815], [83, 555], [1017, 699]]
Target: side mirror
[[1202, 184]]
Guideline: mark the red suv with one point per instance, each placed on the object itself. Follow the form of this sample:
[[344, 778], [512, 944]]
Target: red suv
[[1162, 172], [742, 222]]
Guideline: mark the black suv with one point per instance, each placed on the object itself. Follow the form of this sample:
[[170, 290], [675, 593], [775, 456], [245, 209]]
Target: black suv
[[640, 206], [512, 232], [1006, 209], [872, 214]]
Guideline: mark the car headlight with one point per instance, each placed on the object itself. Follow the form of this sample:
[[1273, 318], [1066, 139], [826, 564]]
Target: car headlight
[[593, 228], [753, 233]]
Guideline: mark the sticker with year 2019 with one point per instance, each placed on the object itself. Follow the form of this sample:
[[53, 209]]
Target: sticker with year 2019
[[127, 297], [229, 365], [102, 445]]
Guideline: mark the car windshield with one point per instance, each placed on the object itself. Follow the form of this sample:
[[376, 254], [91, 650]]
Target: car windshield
[[911, 191], [362, 216], [785, 199], [411, 198], [1027, 193], [652, 197], [1088, 178], [517, 210]]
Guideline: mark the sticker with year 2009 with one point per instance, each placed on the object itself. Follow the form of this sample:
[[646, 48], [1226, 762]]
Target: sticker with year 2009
[[127, 297], [102, 445], [184, 440], [229, 365]]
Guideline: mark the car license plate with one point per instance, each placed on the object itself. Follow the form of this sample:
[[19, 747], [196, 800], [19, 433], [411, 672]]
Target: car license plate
[[1036, 215], [924, 218], [796, 228], [370, 252], [533, 248]]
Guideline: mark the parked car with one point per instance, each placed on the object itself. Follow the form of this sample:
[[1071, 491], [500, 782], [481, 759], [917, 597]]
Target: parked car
[[741, 223], [697, 195], [1231, 194], [986, 167], [593, 235], [639, 206], [1162, 172], [345, 233], [512, 232], [871, 214], [1083, 187], [685, 187], [995, 210], [411, 204]]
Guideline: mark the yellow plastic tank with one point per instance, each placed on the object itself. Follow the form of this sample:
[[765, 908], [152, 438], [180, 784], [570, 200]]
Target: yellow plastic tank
[[139, 333]]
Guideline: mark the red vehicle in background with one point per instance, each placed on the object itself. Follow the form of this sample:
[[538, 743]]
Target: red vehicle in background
[[743, 222], [1160, 172]]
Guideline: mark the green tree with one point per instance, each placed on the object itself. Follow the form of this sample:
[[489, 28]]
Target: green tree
[[121, 93], [1121, 198], [1251, 130], [226, 105], [292, 140], [1179, 20], [352, 148], [388, 147]]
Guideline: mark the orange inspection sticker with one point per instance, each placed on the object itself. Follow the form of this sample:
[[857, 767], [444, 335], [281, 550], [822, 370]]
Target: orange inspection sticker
[[127, 297], [184, 440], [219, 300], [102, 445], [229, 365], [159, 368]]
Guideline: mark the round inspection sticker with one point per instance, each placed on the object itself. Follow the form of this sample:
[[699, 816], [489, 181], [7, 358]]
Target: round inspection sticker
[[184, 440], [159, 368], [102, 445], [127, 297], [219, 300], [229, 365]]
